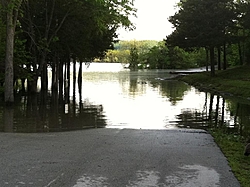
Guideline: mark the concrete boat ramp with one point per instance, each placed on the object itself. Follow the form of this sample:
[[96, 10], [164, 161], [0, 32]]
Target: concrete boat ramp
[[114, 157]]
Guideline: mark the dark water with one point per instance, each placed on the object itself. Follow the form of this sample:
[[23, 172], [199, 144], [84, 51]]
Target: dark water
[[113, 97]]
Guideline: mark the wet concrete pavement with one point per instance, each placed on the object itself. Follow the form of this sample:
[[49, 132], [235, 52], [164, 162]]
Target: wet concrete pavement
[[114, 157]]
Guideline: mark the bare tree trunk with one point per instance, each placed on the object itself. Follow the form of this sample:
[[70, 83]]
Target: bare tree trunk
[[44, 77], [60, 77], [244, 48], [224, 57], [55, 80], [80, 76], [212, 63], [80, 86], [9, 70], [207, 59], [67, 80], [8, 119], [219, 57], [240, 53], [74, 76], [12, 8]]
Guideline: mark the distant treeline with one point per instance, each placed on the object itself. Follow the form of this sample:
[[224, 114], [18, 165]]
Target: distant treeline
[[214, 32], [154, 55]]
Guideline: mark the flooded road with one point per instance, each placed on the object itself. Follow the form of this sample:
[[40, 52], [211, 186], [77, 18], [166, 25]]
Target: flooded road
[[114, 97], [169, 147], [113, 157]]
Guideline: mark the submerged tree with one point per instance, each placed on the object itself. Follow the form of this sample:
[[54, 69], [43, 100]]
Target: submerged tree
[[133, 58], [58, 30]]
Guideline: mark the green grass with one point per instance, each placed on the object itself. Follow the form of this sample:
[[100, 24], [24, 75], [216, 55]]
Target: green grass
[[233, 148], [234, 82]]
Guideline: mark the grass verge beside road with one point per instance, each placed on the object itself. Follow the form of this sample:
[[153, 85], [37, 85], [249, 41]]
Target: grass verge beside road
[[233, 82], [233, 148]]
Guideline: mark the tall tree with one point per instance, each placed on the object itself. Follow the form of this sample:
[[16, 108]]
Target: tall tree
[[11, 9], [83, 28], [202, 23], [244, 32]]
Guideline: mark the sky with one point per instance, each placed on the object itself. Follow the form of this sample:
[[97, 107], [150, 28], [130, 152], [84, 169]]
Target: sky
[[152, 20]]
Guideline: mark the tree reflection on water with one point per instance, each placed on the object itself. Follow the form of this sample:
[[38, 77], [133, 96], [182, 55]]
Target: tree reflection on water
[[143, 99], [32, 116], [230, 115]]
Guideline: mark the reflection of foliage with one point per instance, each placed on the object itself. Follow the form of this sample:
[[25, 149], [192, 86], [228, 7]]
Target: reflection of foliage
[[235, 122], [241, 114], [174, 90], [31, 116], [137, 87], [192, 118]]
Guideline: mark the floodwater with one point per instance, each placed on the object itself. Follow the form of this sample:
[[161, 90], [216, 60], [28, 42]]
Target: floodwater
[[114, 97]]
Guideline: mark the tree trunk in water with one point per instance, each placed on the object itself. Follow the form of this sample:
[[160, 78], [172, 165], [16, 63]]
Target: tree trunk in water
[[224, 57], [207, 59], [74, 77], [60, 77], [240, 53], [80, 86], [244, 48], [23, 85], [8, 118], [44, 83], [32, 84], [12, 8], [44, 76], [55, 75], [53, 71], [219, 58], [80, 76], [67, 81], [9, 70], [212, 64]]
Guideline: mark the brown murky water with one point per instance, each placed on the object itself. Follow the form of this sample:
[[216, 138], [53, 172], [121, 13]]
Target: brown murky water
[[114, 97]]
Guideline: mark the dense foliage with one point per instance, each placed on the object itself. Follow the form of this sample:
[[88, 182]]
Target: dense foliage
[[56, 32], [49, 33], [213, 24], [213, 32], [154, 55]]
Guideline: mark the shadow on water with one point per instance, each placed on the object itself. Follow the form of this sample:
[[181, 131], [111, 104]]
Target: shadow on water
[[30, 115], [231, 115], [125, 99]]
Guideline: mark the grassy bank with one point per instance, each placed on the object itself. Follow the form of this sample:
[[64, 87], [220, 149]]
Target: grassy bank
[[233, 82], [233, 148]]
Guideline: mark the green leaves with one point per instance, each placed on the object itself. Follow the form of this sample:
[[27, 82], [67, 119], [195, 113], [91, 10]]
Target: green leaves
[[85, 28], [201, 23]]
